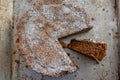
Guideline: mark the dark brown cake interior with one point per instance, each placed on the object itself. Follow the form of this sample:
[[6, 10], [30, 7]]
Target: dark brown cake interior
[[92, 49]]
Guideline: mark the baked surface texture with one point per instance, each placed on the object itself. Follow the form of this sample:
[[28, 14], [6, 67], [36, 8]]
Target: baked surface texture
[[39, 30], [95, 50]]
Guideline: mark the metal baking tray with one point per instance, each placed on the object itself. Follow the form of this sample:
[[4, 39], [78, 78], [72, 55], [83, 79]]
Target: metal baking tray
[[104, 16]]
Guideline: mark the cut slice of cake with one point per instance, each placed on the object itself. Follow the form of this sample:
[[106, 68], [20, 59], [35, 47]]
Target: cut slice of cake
[[95, 50]]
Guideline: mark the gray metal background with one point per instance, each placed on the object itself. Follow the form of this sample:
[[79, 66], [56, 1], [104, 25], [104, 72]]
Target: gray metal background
[[12, 66]]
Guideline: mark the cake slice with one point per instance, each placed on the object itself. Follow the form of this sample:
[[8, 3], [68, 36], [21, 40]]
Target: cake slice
[[95, 50]]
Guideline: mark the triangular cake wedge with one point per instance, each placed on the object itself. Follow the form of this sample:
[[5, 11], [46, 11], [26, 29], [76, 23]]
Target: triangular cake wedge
[[93, 49]]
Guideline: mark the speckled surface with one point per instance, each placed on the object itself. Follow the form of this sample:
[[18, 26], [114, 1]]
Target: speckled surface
[[101, 14], [6, 13], [102, 17], [39, 30]]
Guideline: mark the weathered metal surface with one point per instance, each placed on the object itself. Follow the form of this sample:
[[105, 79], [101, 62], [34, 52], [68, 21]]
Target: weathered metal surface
[[102, 17], [6, 13], [118, 14]]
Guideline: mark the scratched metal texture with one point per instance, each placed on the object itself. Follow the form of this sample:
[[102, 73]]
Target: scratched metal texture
[[102, 17], [118, 20], [6, 13]]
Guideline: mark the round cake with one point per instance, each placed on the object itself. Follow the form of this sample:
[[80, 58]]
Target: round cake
[[39, 29]]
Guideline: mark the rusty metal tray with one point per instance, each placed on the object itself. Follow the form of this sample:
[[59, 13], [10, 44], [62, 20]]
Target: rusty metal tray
[[104, 16]]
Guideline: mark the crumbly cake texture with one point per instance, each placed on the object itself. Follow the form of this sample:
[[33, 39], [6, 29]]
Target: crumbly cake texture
[[93, 49], [39, 29]]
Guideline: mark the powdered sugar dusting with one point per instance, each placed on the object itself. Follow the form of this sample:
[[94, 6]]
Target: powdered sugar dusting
[[65, 15], [41, 33]]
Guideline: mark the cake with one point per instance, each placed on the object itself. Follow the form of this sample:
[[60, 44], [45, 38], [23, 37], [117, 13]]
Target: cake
[[93, 49], [39, 29]]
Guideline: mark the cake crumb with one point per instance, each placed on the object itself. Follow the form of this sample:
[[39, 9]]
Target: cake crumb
[[109, 34], [12, 27], [117, 35], [17, 61], [92, 19], [64, 45], [68, 54], [13, 52], [103, 9], [26, 66]]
